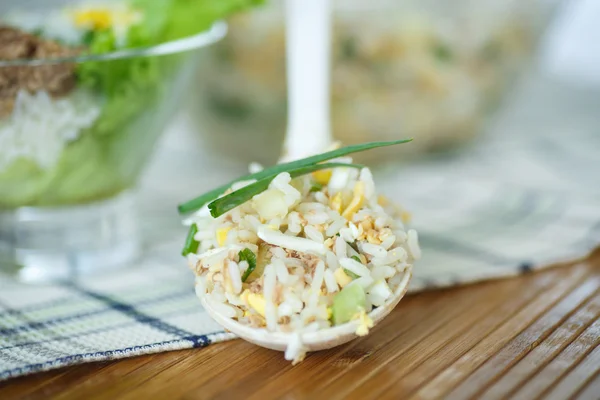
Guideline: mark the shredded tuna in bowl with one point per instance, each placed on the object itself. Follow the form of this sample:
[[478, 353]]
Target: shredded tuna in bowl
[[304, 255]]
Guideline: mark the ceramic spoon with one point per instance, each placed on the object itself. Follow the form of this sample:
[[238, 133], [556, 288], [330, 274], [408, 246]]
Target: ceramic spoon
[[308, 44]]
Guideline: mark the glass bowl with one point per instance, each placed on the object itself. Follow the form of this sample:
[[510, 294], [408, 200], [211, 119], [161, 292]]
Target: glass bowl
[[75, 133], [432, 70]]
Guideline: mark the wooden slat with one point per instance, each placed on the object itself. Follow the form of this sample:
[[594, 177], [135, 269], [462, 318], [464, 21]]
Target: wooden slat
[[459, 345], [460, 370], [561, 365], [578, 378], [545, 351], [518, 347], [537, 336], [592, 391]]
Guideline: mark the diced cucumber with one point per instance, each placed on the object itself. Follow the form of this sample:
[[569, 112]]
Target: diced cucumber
[[349, 301]]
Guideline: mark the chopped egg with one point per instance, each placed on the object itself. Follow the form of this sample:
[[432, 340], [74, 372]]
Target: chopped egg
[[336, 202], [341, 277], [257, 302], [364, 323], [222, 235], [382, 201], [322, 176], [405, 216], [357, 201]]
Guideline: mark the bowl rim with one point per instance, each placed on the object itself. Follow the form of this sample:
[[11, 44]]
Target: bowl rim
[[216, 32]]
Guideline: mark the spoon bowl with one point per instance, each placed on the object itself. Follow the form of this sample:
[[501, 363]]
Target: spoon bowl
[[311, 341]]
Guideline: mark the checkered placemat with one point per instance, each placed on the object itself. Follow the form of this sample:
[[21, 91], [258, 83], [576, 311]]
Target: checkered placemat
[[524, 197]]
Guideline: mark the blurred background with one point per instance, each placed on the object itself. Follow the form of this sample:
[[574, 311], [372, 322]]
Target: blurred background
[[457, 76], [493, 90]]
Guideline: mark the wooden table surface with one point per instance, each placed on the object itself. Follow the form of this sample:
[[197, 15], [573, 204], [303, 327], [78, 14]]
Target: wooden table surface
[[531, 337]]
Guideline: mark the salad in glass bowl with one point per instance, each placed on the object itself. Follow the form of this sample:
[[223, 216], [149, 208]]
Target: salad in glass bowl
[[86, 88]]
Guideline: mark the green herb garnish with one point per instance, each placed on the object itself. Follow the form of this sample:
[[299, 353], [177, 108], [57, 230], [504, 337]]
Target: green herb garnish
[[442, 52], [228, 202], [250, 257], [198, 202], [191, 244], [316, 187], [348, 48]]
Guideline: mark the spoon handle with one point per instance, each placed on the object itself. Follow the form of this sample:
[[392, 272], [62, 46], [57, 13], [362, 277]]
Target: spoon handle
[[308, 25]]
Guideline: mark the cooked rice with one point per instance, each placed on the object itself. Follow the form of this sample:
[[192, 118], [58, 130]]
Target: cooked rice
[[314, 245], [40, 127]]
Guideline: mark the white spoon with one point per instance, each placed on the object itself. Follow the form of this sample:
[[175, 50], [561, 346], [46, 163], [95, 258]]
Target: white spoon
[[308, 132], [308, 44], [312, 341]]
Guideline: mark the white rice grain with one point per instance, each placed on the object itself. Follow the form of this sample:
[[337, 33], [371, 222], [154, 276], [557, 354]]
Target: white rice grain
[[335, 227], [277, 238], [321, 197], [295, 350], [401, 236], [393, 256], [383, 272], [307, 207], [381, 222], [235, 276], [242, 184], [255, 167], [413, 244], [220, 307], [340, 247], [374, 250], [200, 287], [233, 299], [282, 182], [338, 181], [294, 222], [281, 270], [243, 266], [346, 234], [388, 242], [354, 266], [332, 261], [315, 286], [285, 310], [245, 236], [367, 178], [316, 217], [269, 291], [293, 262], [253, 221], [278, 252], [330, 282], [313, 234], [364, 281], [379, 293]]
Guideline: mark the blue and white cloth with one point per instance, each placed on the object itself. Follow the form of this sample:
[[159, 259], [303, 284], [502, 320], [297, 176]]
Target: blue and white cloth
[[525, 197]]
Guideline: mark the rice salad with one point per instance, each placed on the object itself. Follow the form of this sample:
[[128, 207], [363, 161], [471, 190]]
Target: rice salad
[[305, 254]]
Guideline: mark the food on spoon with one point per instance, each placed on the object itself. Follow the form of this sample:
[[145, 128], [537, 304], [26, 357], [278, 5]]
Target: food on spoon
[[76, 131], [300, 247]]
